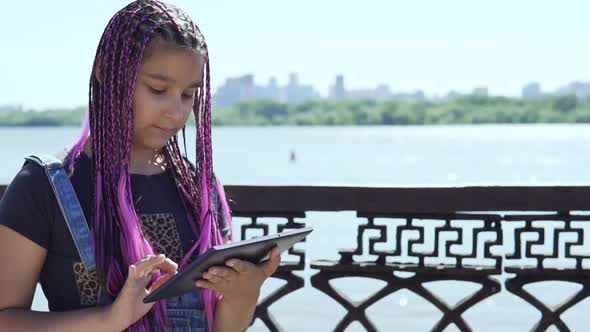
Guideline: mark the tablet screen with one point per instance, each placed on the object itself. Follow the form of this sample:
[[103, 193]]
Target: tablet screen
[[253, 250]]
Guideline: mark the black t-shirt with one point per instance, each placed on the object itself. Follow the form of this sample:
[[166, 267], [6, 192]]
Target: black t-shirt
[[30, 208]]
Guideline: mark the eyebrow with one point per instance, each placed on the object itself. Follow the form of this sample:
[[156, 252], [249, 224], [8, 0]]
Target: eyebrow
[[167, 79]]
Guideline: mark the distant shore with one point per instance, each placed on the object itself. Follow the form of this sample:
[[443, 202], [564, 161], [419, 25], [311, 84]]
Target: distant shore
[[463, 110]]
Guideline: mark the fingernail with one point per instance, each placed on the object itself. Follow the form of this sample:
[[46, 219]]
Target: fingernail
[[231, 263]]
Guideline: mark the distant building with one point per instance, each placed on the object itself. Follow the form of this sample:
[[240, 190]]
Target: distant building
[[452, 95], [243, 88], [417, 95], [532, 91], [11, 108], [382, 92], [338, 91], [271, 91], [480, 91], [296, 93], [235, 90], [580, 89]]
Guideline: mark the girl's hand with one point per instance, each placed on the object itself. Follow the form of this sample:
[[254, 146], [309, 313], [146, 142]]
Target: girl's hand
[[128, 308], [239, 281]]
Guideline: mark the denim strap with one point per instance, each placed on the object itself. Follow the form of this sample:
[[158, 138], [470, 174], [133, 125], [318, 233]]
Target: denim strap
[[70, 207], [72, 212]]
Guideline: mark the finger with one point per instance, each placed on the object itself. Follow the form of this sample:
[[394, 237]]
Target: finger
[[205, 284], [212, 278], [160, 281], [131, 274], [168, 266], [240, 266], [270, 266], [148, 256], [134, 279], [146, 259], [147, 265], [223, 272]]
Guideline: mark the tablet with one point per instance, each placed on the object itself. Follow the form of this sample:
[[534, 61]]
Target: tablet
[[253, 250]]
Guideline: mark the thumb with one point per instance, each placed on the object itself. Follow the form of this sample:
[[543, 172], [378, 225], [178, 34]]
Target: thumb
[[161, 281], [270, 266]]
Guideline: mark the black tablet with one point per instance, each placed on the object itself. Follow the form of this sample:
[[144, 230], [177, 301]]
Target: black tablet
[[253, 250]]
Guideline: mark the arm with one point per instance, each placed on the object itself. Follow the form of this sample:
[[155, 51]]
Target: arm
[[18, 288], [233, 316], [239, 284]]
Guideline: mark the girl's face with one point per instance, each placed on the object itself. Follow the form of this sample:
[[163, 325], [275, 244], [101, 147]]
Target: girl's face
[[164, 94]]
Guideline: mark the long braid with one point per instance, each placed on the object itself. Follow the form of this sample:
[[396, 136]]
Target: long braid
[[117, 233], [132, 242], [115, 218]]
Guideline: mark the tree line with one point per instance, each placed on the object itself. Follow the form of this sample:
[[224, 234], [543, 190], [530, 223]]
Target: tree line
[[470, 109]]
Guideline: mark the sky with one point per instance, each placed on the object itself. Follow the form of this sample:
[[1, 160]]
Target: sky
[[47, 47]]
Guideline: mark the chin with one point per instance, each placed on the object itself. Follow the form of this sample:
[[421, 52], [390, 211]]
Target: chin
[[155, 144]]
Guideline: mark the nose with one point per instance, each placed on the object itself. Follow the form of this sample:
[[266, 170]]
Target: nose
[[174, 108]]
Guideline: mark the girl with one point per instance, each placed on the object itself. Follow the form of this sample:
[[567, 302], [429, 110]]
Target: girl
[[146, 206]]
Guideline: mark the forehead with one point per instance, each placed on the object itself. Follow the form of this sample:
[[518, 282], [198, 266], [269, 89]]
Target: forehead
[[181, 64]]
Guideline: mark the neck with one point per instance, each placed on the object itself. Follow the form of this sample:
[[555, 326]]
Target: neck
[[142, 161], [147, 161]]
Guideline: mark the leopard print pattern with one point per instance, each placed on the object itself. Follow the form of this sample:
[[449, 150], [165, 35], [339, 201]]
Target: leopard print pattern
[[87, 284], [160, 231]]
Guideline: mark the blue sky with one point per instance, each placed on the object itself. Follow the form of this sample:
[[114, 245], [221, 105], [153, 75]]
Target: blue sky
[[47, 49]]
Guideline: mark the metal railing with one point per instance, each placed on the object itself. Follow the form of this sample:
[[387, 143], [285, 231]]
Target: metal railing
[[473, 234]]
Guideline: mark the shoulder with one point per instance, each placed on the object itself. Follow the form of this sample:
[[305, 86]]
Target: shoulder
[[28, 205], [190, 165], [29, 186], [193, 169], [31, 178]]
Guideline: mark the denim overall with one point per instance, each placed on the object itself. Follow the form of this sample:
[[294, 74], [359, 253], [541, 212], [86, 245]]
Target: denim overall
[[185, 312]]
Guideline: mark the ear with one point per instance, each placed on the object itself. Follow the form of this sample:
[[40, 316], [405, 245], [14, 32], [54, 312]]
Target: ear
[[97, 68]]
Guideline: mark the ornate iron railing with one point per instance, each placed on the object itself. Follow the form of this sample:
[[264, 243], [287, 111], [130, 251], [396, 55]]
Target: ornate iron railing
[[497, 237]]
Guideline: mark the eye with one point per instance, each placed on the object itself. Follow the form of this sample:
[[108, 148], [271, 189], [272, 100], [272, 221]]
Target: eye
[[188, 95], [156, 91]]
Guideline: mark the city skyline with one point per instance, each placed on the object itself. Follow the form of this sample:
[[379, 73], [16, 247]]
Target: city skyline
[[244, 88], [434, 46]]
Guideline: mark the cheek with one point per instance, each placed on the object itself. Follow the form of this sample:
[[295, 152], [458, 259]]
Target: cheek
[[187, 110], [144, 106]]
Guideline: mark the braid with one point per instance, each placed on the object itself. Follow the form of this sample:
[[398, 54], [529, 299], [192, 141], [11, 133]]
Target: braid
[[119, 239]]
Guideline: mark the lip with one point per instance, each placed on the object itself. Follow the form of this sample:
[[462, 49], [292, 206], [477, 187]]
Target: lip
[[165, 131]]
